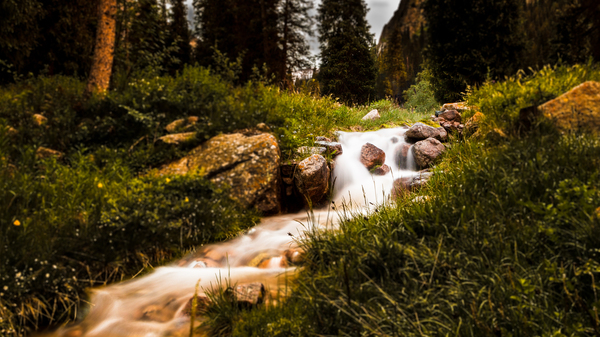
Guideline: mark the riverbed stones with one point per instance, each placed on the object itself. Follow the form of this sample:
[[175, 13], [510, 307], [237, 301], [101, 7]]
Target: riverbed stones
[[451, 116], [420, 131], [249, 165], [371, 156], [576, 110], [405, 185], [381, 170], [372, 115], [427, 151], [312, 178], [248, 295], [333, 148]]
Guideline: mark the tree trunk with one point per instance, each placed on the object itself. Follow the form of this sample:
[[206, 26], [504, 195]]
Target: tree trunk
[[104, 51]]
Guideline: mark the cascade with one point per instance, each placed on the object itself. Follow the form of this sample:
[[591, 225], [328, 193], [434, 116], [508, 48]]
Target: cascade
[[158, 304]]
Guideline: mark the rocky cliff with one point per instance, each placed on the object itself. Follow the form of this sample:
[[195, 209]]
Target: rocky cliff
[[406, 32]]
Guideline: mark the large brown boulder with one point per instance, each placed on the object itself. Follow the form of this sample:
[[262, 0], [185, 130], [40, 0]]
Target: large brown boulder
[[451, 116], [312, 178], [420, 131], [371, 156], [576, 110], [427, 151], [249, 165]]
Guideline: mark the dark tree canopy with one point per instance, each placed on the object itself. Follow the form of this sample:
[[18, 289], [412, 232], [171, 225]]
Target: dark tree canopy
[[469, 41], [347, 65]]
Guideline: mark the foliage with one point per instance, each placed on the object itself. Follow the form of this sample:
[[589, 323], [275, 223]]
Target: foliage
[[504, 243], [392, 70], [347, 66], [502, 101], [470, 41], [68, 227], [420, 96]]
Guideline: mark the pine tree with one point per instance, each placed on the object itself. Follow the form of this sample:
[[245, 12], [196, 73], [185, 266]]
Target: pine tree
[[347, 65], [295, 23], [470, 41], [180, 34]]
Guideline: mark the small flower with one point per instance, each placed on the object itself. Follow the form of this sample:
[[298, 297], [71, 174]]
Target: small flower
[[17, 223], [5, 288], [168, 180], [100, 185], [186, 199], [47, 275]]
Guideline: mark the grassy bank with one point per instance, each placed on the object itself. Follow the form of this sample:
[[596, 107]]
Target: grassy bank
[[506, 242], [92, 216]]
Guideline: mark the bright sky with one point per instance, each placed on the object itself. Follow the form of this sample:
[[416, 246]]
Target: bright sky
[[380, 12]]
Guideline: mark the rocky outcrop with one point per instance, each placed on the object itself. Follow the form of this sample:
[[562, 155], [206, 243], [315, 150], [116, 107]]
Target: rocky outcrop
[[427, 151], [372, 115], [312, 178], [371, 156], [420, 131], [249, 165], [576, 110]]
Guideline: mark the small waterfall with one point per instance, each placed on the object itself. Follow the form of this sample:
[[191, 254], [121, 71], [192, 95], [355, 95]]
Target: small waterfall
[[155, 305]]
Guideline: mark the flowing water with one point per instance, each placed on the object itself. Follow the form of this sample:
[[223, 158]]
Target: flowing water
[[158, 304]]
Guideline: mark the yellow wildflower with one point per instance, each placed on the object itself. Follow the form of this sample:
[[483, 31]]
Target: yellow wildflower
[[100, 185], [186, 199], [168, 180], [17, 223]]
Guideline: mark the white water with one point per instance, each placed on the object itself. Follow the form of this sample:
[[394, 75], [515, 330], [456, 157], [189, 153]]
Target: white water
[[153, 305]]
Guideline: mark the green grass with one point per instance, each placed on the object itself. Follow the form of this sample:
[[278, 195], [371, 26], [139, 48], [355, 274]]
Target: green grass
[[506, 244]]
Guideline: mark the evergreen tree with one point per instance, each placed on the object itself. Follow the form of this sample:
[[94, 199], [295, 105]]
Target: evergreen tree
[[469, 41], [347, 64], [180, 34], [295, 23]]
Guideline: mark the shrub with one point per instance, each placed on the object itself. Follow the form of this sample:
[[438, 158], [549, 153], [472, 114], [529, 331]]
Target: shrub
[[419, 97]]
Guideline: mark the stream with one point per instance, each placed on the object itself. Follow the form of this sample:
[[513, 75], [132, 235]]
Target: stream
[[158, 304]]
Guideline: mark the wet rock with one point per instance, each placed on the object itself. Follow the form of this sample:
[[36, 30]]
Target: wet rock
[[308, 150], [577, 110], [249, 165], [294, 256], [420, 131], [451, 116], [371, 156], [312, 178], [408, 184], [334, 149], [249, 295], [44, 152], [451, 127], [394, 140], [427, 151], [273, 262], [402, 155], [39, 120], [202, 303], [372, 115], [381, 170], [178, 138]]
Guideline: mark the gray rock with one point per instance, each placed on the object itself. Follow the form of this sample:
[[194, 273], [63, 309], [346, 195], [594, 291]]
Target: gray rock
[[427, 151], [311, 150], [333, 148], [420, 131], [372, 115]]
